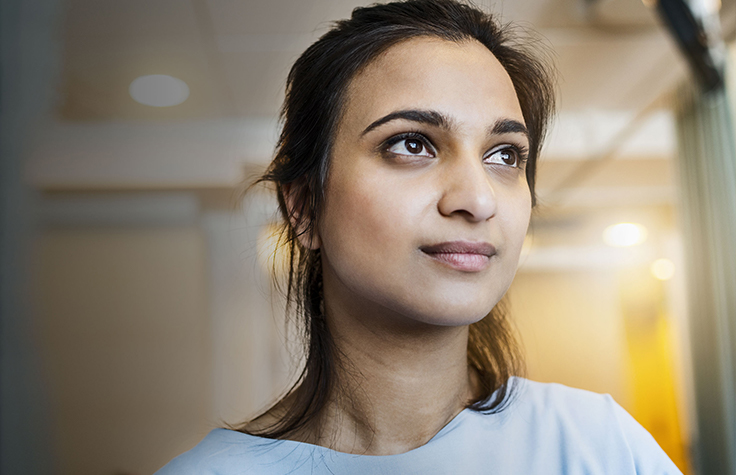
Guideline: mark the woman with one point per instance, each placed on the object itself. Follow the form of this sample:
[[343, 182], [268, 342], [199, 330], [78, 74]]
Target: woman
[[405, 176]]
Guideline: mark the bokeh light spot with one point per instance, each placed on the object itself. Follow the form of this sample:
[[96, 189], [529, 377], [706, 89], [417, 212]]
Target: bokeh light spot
[[625, 234], [158, 90]]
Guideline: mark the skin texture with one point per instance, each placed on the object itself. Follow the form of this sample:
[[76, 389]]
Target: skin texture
[[399, 314]]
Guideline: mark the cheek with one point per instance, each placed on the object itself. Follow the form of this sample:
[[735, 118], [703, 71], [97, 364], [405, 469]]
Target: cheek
[[522, 215], [367, 219], [516, 221]]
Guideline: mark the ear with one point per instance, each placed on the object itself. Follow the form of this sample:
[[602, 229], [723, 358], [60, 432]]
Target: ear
[[291, 194]]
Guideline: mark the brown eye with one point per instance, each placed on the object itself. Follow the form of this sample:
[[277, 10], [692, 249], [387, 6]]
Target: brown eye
[[507, 157], [411, 147], [414, 146], [504, 156]]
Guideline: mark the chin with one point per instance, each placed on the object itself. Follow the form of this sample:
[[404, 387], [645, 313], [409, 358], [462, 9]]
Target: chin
[[452, 315], [464, 308]]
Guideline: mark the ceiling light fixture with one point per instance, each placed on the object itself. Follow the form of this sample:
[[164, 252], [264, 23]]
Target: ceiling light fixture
[[158, 90]]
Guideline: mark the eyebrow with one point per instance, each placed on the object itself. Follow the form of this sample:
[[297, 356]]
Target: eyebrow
[[437, 119], [509, 126], [428, 117]]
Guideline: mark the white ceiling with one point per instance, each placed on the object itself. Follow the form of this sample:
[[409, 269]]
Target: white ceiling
[[235, 54]]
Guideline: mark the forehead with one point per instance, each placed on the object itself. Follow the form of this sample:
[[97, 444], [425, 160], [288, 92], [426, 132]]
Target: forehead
[[461, 79]]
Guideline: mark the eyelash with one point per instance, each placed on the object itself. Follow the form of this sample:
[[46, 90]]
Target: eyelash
[[520, 152], [408, 136]]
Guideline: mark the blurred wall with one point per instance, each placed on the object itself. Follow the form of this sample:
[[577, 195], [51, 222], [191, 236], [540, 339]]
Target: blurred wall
[[571, 328], [125, 338], [155, 324]]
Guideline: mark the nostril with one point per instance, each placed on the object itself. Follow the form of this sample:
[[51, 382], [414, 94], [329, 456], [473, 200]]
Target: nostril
[[472, 198]]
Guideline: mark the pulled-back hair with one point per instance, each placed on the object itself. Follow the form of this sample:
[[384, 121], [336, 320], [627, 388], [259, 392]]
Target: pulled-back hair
[[315, 96]]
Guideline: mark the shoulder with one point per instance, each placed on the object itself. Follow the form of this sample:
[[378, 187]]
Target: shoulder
[[583, 422], [563, 405], [223, 452]]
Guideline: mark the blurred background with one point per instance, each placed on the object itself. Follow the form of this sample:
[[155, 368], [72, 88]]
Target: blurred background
[[137, 311]]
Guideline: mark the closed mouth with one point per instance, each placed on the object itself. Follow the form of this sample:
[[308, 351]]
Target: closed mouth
[[461, 247], [465, 256]]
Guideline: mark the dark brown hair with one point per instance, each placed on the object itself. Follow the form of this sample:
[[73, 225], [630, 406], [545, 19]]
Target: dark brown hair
[[315, 94]]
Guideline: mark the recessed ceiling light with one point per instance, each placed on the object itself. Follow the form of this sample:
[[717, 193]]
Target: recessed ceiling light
[[158, 90], [624, 234]]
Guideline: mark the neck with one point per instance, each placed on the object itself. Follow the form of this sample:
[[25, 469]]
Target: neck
[[397, 385]]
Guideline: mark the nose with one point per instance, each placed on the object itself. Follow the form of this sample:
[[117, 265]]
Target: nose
[[467, 191]]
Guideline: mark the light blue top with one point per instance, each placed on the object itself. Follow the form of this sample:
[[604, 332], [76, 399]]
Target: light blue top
[[548, 429]]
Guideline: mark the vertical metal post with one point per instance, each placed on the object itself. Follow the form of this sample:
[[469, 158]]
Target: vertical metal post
[[707, 174]]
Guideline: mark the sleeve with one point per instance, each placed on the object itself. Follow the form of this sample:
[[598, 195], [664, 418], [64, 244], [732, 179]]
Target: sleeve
[[647, 455]]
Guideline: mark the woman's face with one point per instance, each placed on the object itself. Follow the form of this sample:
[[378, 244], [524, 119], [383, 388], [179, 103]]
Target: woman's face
[[426, 203]]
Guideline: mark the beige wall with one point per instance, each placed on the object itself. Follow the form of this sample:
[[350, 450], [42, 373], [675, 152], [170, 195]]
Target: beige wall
[[572, 330], [124, 334]]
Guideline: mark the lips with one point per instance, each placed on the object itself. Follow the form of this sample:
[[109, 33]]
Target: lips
[[467, 256]]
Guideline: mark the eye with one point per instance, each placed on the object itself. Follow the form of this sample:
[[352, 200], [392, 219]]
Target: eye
[[508, 155], [413, 146]]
